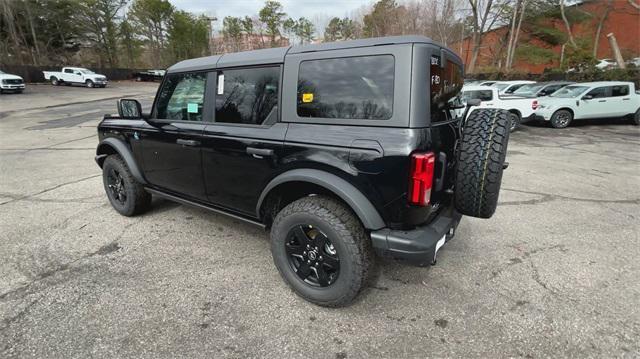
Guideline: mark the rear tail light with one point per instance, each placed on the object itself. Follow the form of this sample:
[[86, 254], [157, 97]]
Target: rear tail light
[[421, 178], [534, 105]]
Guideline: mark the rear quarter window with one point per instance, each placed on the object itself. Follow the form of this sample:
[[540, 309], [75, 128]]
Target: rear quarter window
[[347, 88]]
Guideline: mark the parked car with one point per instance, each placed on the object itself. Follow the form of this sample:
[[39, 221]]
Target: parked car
[[75, 75], [327, 145], [605, 64], [11, 83], [519, 108], [541, 89], [149, 75], [508, 87], [590, 100], [634, 62], [486, 83]]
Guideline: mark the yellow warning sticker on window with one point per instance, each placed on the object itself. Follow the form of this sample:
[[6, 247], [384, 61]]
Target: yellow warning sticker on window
[[307, 97]]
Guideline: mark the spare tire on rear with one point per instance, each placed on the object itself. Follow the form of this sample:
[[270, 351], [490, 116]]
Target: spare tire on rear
[[480, 161]]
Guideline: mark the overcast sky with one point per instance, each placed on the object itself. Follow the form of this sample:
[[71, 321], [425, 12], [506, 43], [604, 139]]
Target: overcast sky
[[314, 10]]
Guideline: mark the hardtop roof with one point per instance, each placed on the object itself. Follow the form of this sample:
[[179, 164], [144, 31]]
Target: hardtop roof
[[277, 55]]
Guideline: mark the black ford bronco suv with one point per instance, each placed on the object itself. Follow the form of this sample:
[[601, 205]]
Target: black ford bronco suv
[[342, 150]]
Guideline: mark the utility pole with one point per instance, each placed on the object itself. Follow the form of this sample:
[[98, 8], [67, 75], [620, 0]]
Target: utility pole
[[616, 50]]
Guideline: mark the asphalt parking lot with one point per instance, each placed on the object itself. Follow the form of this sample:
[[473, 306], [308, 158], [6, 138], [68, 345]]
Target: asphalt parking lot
[[554, 273]]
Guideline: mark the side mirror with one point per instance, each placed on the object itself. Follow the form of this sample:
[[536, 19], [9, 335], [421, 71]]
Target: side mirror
[[587, 97], [129, 109]]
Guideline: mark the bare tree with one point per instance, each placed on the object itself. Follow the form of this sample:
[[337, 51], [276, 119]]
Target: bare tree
[[603, 18], [484, 14], [567, 25], [514, 33]]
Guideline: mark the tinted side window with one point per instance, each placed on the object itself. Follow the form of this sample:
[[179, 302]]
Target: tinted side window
[[247, 95], [619, 90], [445, 83], [482, 95], [182, 97], [68, 71], [347, 88], [598, 92]]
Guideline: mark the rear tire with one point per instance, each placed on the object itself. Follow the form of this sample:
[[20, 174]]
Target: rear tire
[[54, 81], [636, 118], [561, 119], [481, 156], [514, 121], [321, 250], [125, 194]]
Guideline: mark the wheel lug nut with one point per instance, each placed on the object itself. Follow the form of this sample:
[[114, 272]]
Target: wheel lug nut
[[304, 253], [316, 264], [320, 258]]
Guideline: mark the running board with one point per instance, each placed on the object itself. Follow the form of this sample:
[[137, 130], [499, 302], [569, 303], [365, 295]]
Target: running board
[[203, 206]]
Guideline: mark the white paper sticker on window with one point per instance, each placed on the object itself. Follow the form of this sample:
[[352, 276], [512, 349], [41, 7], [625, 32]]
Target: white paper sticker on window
[[220, 84]]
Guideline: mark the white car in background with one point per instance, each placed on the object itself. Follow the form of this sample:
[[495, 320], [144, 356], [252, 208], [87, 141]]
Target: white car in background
[[604, 64], [588, 100], [509, 87], [75, 75], [520, 108], [11, 83]]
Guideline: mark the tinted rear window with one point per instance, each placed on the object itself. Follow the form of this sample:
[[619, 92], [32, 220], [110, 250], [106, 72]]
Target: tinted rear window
[[445, 82], [482, 95], [347, 88]]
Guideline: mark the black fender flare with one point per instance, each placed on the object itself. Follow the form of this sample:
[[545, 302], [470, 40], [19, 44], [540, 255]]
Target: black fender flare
[[124, 151], [363, 208]]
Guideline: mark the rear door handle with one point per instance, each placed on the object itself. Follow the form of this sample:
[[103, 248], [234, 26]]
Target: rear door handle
[[626, 99], [183, 142], [259, 152]]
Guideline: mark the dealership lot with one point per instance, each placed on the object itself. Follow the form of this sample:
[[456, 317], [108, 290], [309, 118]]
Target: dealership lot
[[553, 273]]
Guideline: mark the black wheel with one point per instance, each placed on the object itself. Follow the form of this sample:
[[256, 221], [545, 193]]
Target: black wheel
[[321, 250], [636, 118], [126, 195], [514, 119], [89, 83], [480, 162], [54, 81], [561, 118]]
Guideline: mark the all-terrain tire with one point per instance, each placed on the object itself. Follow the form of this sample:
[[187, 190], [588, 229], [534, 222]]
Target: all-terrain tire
[[480, 162], [347, 235], [136, 199]]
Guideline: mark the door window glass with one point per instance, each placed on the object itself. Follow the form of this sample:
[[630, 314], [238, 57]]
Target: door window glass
[[619, 90], [347, 88], [482, 95], [182, 97], [248, 96], [598, 92]]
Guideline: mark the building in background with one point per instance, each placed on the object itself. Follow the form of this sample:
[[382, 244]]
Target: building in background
[[536, 52]]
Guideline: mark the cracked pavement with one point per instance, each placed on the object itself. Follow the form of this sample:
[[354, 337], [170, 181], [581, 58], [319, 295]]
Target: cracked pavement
[[553, 274]]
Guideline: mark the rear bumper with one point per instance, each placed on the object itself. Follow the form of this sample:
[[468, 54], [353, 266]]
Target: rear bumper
[[418, 246]]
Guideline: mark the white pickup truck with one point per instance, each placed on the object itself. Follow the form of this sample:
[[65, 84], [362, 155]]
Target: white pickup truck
[[11, 83], [521, 108], [75, 75], [587, 100]]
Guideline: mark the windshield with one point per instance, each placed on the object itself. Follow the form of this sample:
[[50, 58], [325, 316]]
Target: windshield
[[85, 71], [529, 89], [500, 86], [569, 92]]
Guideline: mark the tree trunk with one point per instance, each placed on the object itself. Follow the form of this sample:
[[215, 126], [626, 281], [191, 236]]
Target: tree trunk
[[596, 41], [567, 25], [512, 31], [517, 35], [27, 8]]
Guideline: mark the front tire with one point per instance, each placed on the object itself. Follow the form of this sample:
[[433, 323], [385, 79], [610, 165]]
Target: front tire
[[561, 119], [125, 194], [636, 118], [89, 83], [321, 250]]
